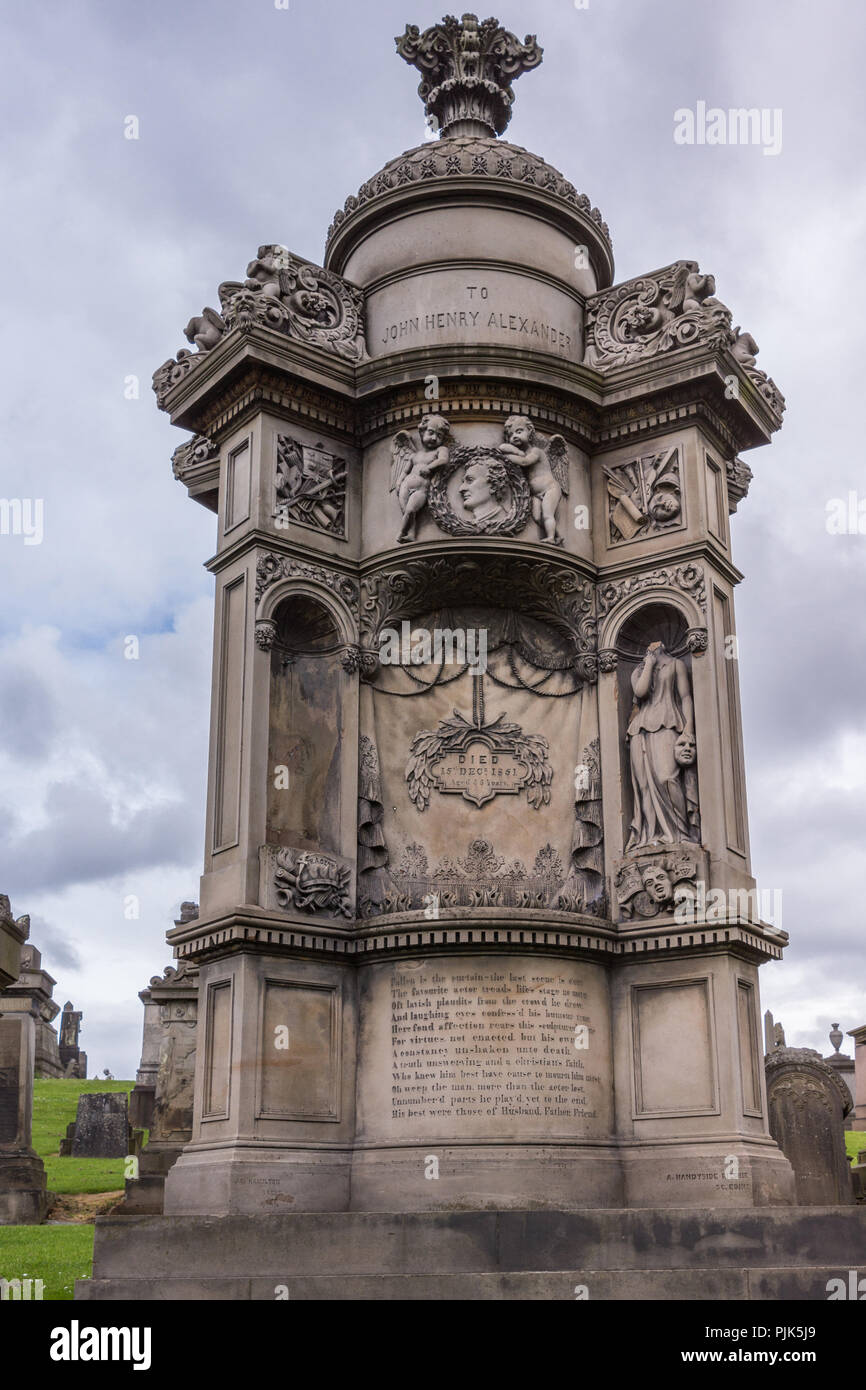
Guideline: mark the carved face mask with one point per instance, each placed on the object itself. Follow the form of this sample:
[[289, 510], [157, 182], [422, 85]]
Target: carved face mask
[[684, 750], [657, 883]]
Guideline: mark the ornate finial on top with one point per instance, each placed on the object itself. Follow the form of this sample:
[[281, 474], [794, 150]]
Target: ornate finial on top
[[467, 71]]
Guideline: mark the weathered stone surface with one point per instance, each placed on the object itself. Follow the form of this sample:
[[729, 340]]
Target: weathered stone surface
[[694, 1254], [32, 993], [808, 1102], [101, 1125]]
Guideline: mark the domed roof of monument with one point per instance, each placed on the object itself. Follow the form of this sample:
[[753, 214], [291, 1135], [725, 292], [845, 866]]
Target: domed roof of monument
[[468, 157], [467, 69]]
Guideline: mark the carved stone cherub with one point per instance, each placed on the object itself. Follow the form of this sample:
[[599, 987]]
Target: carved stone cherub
[[412, 466], [264, 272], [205, 330], [547, 471]]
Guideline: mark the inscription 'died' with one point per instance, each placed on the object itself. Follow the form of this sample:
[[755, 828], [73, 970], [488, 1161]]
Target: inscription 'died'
[[479, 775]]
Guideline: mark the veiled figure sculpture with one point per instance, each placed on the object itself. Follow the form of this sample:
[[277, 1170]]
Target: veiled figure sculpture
[[661, 742]]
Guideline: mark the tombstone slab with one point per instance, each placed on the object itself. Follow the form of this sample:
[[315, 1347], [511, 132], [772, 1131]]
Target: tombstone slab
[[808, 1102], [101, 1125]]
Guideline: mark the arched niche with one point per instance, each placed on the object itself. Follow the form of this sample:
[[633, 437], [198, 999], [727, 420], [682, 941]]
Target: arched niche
[[306, 742], [673, 785]]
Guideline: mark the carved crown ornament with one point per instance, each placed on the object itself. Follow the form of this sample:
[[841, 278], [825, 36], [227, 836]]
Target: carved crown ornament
[[467, 69], [668, 309], [283, 292]]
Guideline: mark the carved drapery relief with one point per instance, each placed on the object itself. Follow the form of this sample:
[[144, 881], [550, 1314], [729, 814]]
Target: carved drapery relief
[[479, 490], [310, 487], [644, 496], [584, 890], [661, 751], [655, 884], [543, 590], [373, 880]]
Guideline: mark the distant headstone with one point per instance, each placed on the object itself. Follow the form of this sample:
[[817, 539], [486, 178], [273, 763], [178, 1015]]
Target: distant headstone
[[101, 1125], [808, 1103], [70, 1026]]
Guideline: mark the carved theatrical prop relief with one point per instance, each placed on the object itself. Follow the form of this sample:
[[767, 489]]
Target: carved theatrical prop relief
[[312, 883], [310, 487], [655, 885], [480, 490], [644, 496], [661, 750]]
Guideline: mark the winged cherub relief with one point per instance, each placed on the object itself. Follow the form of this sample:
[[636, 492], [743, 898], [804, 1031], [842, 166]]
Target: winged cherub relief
[[412, 466], [547, 471]]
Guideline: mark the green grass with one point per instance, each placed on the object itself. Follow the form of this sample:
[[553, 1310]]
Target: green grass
[[58, 1255], [54, 1105], [855, 1140]]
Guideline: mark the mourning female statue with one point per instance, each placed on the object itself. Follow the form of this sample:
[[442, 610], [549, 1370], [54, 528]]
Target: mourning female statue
[[661, 742]]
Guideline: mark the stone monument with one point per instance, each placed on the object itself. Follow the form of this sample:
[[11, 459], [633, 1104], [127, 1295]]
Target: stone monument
[[74, 1061], [165, 1082], [32, 993], [808, 1101], [859, 1036], [844, 1067], [23, 1198], [478, 936]]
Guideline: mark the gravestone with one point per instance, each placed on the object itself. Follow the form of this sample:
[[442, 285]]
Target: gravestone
[[23, 1198], [101, 1125], [844, 1068], [32, 993], [73, 1060], [808, 1102], [168, 1056], [859, 1036]]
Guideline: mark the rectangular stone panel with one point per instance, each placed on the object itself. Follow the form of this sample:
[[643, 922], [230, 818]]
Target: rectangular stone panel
[[746, 1027], [12, 1102], [729, 724], [231, 703], [674, 1071], [300, 1051], [218, 1050], [485, 1048], [237, 486]]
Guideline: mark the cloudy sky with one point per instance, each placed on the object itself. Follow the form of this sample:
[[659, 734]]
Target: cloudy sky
[[255, 122]]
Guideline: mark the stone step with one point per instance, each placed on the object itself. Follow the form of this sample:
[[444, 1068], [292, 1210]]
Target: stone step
[[660, 1285], [370, 1250]]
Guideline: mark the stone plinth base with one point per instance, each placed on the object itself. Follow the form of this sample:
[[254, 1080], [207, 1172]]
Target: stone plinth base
[[781, 1253], [145, 1194], [23, 1198]]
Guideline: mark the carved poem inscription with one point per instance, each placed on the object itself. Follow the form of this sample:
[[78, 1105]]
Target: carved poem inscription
[[478, 1046]]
